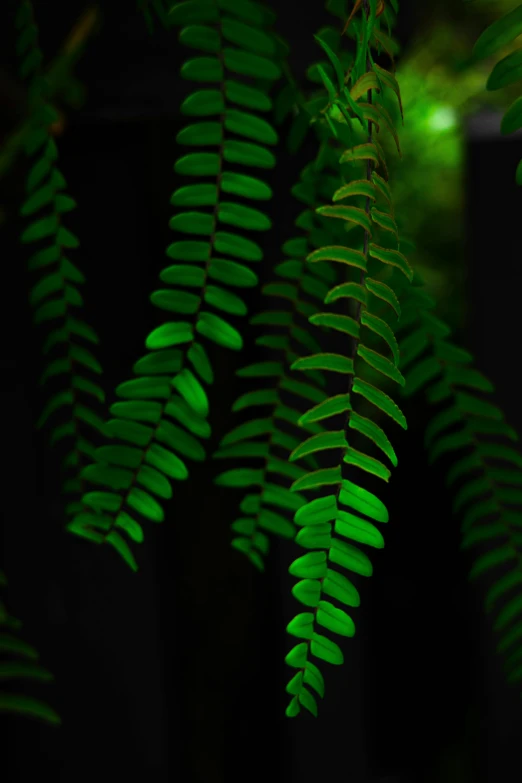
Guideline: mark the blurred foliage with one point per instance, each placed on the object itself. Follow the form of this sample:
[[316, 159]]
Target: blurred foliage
[[441, 86], [63, 88]]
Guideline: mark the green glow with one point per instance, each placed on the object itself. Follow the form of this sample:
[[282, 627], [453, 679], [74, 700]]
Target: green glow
[[442, 118]]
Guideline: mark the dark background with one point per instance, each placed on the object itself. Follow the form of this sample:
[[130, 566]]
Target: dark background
[[177, 672]]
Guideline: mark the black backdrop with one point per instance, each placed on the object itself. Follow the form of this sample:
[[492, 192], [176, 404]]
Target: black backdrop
[[177, 671]]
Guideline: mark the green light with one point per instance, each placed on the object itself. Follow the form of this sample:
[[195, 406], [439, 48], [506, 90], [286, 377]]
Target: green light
[[442, 118]]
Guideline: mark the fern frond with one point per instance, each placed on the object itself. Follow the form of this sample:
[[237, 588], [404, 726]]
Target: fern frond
[[272, 436], [334, 522], [72, 371], [508, 70], [19, 662], [486, 474], [148, 449]]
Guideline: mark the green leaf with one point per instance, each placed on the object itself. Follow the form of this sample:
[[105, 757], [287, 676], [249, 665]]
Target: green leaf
[[193, 223], [295, 684], [25, 705], [368, 464], [282, 498], [334, 619], [384, 292], [297, 656], [131, 431], [301, 626], [202, 69], [245, 186], [249, 64], [309, 566], [357, 187], [372, 431], [114, 478], [317, 512], [104, 501], [308, 592], [142, 388], [350, 558], [139, 411], [203, 103], [240, 477], [126, 456], [366, 151], [314, 678], [182, 412], [205, 39], [330, 407], [192, 392], [349, 213], [250, 429], [125, 522], [325, 649], [380, 400], [243, 217], [179, 440], [490, 560], [314, 537], [381, 328], [339, 254], [37, 200], [275, 523], [231, 273], [197, 355], [152, 480], [308, 701], [358, 529], [232, 244], [189, 250], [317, 478], [336, 63], [320, 442], [330, 88], [224, 300], [247, 97], [512, 119], [192, 12], [246, 36], [380, 363], [362, 500], [339, 587], [121, 547], [201, 134], [324, 361], [244, 153], [501, 586], [166, 362], [219, 331], [201, 195], [498, 34], [393, 258], [198, 164], [343, 323], [249, 126], [173, 333], [166, 462], [39, 229]]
